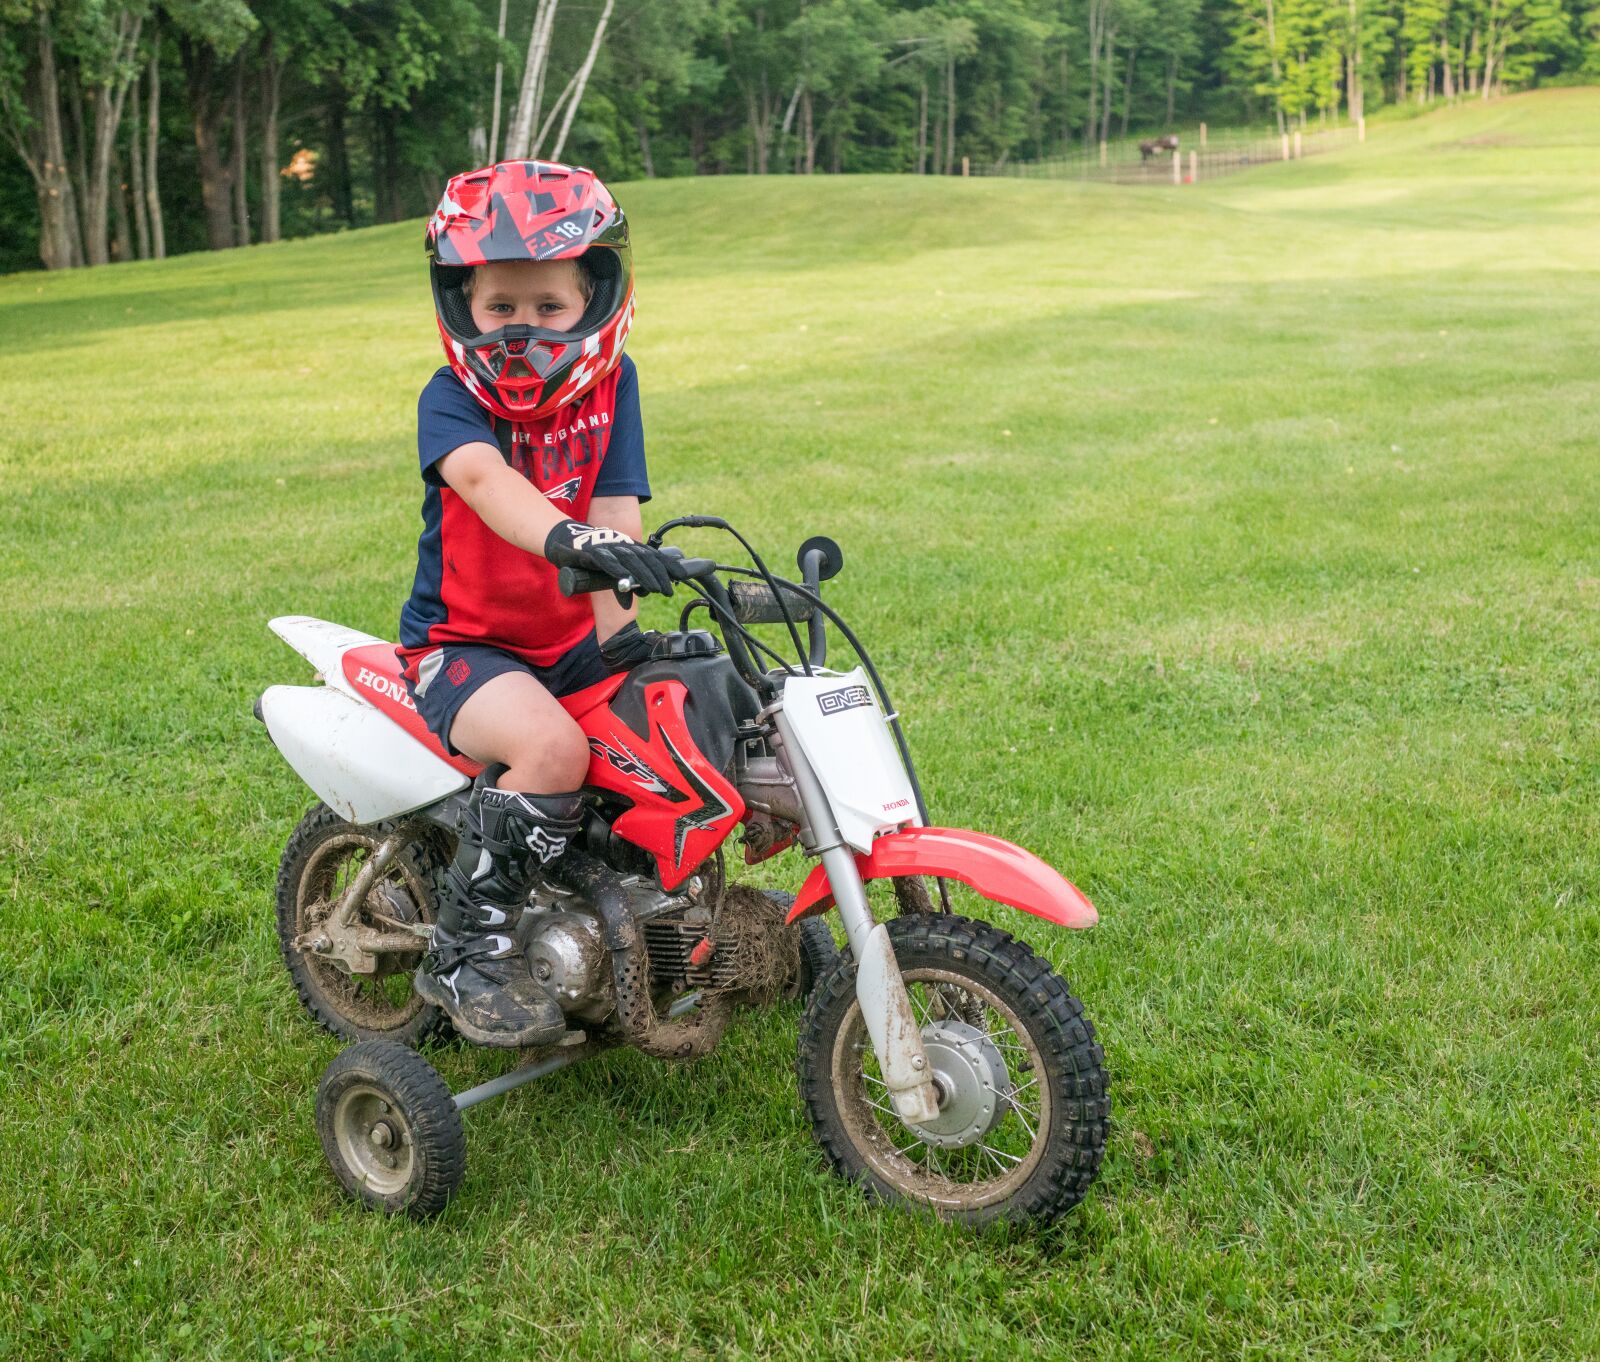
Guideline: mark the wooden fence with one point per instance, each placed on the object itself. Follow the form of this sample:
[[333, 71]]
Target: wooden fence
[[1201, 155]]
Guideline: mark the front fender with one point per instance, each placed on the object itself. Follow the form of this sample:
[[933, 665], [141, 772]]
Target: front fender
[[997, 869]]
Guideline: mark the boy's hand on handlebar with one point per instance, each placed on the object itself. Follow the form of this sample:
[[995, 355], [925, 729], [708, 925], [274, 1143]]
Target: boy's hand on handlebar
[[595, 548]]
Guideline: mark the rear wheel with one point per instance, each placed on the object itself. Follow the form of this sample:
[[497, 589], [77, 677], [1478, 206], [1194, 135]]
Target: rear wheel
[[1023, 1109], [323, 856]]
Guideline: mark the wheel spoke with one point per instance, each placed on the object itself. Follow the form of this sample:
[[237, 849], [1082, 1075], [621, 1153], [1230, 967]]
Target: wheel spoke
[[1026, 1125]]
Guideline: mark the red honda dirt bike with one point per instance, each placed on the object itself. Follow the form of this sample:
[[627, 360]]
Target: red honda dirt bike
[[941, 1061]]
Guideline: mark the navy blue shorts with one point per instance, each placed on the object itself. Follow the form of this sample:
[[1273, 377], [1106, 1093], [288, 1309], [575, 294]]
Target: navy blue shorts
[[453, 672]]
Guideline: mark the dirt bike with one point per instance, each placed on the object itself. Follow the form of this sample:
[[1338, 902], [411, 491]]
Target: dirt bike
[[941, 1061]]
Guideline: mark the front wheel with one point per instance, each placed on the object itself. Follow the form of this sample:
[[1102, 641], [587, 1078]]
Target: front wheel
[[1023, 1111]]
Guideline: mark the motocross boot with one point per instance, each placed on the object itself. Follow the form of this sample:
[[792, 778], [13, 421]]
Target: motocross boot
[[476, 973]]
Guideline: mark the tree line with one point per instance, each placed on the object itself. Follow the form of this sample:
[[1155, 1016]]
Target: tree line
[[135, 128]]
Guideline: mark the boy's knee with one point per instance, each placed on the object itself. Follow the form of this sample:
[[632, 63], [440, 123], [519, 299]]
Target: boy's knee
[[571, 759], [559, 759]]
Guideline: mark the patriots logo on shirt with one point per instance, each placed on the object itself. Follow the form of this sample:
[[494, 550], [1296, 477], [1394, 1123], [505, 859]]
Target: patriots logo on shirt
[[564, 491]]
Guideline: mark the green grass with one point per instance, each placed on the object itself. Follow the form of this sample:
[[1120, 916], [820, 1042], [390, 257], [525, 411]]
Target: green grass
[[1233, 547]]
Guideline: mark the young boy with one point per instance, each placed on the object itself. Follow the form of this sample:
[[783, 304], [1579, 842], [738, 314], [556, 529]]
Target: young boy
[[532, 459]]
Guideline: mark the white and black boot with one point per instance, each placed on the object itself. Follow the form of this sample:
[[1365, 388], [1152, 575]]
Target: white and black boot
[[474, 969]]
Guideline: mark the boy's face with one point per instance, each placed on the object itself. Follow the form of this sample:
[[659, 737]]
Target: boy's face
[[545, 293]]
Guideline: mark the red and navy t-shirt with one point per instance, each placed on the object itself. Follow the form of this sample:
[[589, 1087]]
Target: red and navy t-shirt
[[472, 586]]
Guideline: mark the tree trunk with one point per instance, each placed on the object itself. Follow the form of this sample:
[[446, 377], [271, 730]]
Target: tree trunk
[[1448, 73], [77, 206], [199, 61], [152, 190], [99, 183], [1172, 86], [808, 133], [531, 95], [1096, 29], [339, 186], [950, 117], [697, 140], [1277, 76], [582, 79], [1127, 88], [1491, 39], [922, 129], [1066, 103], [499, 77], [236, 155], [644, 146], [1108, 74], [141, 211], [271, 179], [383, 167], [122, 243], [48, 158]]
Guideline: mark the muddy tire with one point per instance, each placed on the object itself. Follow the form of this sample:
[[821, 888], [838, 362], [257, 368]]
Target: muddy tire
[[818, 955], [391, 1130], [323, 854], [1024, 1114]]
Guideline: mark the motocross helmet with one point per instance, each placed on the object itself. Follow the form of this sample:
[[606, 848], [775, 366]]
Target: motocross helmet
[[531, 210]]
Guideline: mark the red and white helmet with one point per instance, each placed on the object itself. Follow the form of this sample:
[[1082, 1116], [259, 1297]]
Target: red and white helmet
[[531, 210]]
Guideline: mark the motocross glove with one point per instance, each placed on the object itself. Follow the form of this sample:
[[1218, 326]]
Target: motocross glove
[[595, 548], [628, 647]]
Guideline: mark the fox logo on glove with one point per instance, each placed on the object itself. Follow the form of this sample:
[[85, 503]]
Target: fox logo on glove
[[588, 536]]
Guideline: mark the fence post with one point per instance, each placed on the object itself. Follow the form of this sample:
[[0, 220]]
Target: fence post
[[1202, 134], [1297, 149], [966, 166], [1194, 166], [1102, 153], [1361, 128], [1286, 146]]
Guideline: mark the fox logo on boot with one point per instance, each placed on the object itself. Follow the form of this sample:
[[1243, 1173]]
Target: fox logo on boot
[[544, 846]]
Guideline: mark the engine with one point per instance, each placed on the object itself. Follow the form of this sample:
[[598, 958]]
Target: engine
[[743, 946]]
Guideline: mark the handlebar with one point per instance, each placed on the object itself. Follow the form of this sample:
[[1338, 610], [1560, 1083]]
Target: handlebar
[[740, 603], [571, 581]]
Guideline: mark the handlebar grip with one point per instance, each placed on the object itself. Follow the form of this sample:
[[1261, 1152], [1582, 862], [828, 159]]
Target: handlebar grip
[[571, 581]]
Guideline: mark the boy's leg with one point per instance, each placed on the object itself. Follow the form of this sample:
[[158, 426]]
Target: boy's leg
[[523, 810]]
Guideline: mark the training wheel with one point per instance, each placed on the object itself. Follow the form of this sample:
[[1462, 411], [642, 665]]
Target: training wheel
[[390, 1129]]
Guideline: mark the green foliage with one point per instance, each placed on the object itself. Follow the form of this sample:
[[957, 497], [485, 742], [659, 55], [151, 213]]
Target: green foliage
[[383, 99]]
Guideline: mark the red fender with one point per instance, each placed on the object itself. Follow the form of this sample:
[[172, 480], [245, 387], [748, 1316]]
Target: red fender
[[995, 868]]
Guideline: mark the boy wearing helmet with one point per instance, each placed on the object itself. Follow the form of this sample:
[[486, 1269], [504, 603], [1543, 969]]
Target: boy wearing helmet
[[532, 458]]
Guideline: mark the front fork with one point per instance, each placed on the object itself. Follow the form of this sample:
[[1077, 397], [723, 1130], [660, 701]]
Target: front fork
[[881, 992]]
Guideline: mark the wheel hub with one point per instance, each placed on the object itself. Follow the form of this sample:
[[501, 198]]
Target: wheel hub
[[374, 1138], [971, 1078]]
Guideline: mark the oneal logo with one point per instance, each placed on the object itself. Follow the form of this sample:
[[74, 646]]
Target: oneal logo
[[847, 697], [384, 686]]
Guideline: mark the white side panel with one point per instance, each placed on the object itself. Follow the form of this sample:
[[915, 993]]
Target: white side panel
[[322, 644], [358, 761], [842, 731]]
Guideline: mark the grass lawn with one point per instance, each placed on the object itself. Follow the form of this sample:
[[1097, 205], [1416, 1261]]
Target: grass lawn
[[1233, 547]]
